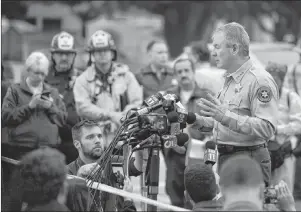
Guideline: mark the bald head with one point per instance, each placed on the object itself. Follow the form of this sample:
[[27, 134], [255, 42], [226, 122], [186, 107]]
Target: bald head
[[241, 171]]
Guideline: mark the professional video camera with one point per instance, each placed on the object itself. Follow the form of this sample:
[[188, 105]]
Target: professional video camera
[[157, 125]]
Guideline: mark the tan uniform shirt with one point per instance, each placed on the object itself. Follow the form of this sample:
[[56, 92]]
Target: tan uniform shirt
[[251, 97]]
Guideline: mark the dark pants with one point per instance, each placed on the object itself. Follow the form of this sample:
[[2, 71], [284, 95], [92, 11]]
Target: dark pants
[[297, 185], [261, 155], [175, 165]]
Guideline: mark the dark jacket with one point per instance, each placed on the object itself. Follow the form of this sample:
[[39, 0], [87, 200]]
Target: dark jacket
[[32, 127], [112, 202], [78, 198], [151, 84], [64, 83], [51, 206], [175, 162], [212, 205], [192, 105]]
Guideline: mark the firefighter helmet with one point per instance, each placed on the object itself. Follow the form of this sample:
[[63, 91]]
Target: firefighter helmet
[[63, 42], [101, 40]]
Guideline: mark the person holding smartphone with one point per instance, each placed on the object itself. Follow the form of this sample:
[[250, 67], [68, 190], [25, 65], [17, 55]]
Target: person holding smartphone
[[32, 110]]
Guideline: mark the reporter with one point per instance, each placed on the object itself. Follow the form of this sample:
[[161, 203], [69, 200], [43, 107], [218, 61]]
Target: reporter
[[39, 182], [200, 177], [88, 140]]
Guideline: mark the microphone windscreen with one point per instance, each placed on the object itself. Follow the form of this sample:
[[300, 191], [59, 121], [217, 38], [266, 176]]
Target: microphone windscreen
[[191, 117], [143, 134], [182, 138], [172, 116], [210, 145], [177, 99]]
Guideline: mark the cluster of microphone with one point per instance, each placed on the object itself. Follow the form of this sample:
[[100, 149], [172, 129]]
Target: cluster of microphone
[[177, 117]]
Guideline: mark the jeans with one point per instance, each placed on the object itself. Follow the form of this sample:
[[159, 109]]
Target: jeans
[[261, 155]]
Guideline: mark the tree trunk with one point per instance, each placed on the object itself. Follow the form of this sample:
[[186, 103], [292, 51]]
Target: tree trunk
[[177, 27], [84, 28]]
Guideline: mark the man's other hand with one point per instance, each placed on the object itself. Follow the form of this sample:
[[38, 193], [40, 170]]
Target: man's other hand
[[116, 117], [87, 170], [285, 198], [212, 108]]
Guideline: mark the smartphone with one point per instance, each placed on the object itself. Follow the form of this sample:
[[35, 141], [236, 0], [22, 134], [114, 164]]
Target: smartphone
[[45, 96]]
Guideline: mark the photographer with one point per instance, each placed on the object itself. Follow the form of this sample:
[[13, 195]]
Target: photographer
[[200, 177], [39, 182], [32, 110], [243, 187], [88, 140]]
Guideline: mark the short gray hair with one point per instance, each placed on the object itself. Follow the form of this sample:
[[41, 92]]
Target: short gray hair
[[236, 34], [37, 60]]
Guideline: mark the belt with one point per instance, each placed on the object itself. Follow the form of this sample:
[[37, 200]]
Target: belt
[[224, 148]]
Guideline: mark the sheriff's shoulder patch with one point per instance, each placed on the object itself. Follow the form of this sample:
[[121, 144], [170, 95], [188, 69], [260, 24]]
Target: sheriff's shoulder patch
[[264, 94]]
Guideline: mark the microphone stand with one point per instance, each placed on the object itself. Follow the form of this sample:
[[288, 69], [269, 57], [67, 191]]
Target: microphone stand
[[150, 176]]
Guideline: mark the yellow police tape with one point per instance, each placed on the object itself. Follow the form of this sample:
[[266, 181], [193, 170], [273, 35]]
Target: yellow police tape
[[112, 190]]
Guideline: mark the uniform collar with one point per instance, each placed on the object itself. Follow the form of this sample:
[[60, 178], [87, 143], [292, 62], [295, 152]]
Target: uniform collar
[[92, 74], [149, 70], [197, 92], [238, 75]]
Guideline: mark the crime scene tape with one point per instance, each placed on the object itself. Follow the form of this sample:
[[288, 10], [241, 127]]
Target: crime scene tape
[[112, 190]]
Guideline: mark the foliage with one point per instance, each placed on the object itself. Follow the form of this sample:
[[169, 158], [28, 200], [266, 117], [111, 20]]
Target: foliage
[[13, 9], [189, 20]]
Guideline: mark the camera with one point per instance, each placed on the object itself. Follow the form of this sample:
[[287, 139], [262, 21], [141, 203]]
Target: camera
[[153, 122], [270, 196]]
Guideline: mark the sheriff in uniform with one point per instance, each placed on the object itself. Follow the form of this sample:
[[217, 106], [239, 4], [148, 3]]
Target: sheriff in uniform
[[244, 114]]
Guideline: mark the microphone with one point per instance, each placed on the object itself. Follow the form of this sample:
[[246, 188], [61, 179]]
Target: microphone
[[143, 134], [191, 118], [146, 110], [133, 130], [175, 140], [175, 127], [150, 138], [151, 103], [210, 153], [168, 96], [182, 138], [152, 100]]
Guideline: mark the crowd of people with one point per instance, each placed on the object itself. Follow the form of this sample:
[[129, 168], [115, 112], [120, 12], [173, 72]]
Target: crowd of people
[[60, 120]]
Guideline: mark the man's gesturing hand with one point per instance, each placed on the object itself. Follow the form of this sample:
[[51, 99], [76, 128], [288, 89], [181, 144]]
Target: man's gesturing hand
[[285, 198], [212, 108]]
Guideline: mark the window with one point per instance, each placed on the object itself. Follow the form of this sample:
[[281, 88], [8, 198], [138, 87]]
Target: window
[[51, 24]]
